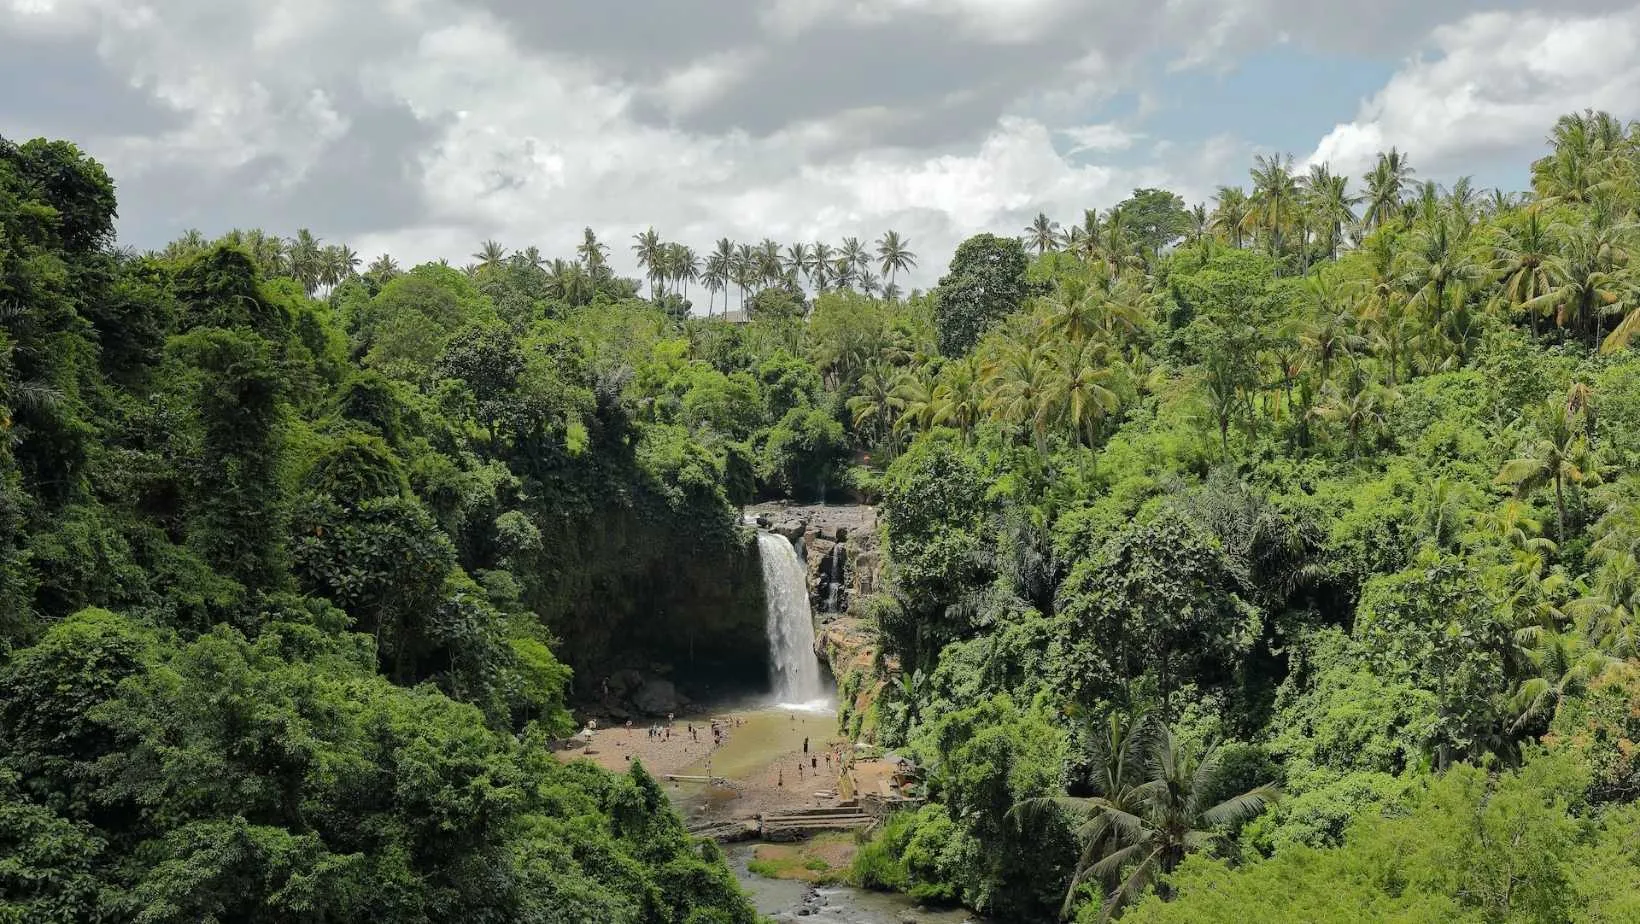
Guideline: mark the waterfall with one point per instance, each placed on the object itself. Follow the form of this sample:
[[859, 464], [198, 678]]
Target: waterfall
[[789, 626], [834, 579]]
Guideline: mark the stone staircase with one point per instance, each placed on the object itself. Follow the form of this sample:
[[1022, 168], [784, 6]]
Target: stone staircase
[[801, 823]]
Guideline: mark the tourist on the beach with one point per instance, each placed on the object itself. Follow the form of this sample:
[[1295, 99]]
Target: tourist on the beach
[[814, 762], [781, 779], [805, 745]]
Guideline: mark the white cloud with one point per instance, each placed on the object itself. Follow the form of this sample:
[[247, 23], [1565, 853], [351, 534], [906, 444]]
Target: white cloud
[[1495, 83], [952, 126], [1104, 137]]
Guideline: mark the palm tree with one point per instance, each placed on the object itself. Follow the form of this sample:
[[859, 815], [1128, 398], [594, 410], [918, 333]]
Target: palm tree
[[1152, 810], [856, 253], [1564, 665], [682, 265], [1438, 261], [306, 260], [957, 402], [594, 255], [876, 405], [1332, 336], [716, 278], [1080, 392], [1018, 379], [1196, 223], [1386, 183], [745, 269], [769, 269], [1274, 204], [1559, 455], [1330, 204], [490, 254], [1525, 261], [895, 256], [649, 249], [1230, 214], [870, 283], [1042, 233], [1587, 279], [821, 257], [796, 262], [383, 267], [843, 272], [724, 255], [1361, 410]]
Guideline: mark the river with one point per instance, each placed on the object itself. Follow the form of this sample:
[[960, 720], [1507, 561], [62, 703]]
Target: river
[[787, 900]]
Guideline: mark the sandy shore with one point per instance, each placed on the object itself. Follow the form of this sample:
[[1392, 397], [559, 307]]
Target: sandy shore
[[762, 757]]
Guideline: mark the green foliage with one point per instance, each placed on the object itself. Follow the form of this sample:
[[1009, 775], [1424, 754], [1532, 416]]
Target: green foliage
[[1461, 847], [985, 283]]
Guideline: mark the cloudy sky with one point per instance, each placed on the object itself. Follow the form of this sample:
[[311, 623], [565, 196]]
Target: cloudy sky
[[424, 126]]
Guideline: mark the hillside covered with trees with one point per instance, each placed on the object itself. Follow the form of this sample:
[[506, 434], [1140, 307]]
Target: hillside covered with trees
[[1276, 556]]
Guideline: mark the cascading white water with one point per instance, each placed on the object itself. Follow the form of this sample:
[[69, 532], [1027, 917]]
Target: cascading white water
[[789, 625]]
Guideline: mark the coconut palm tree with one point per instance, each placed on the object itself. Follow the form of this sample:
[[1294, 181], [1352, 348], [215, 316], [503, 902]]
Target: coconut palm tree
[[1437, 262], [1331, 207], [1363, 411], [1524, 260], [490, 254], [1042, 233], [1081, 391], [306, 260], [1017, 380], [1274, 205], [594, 255], [1230, 209], [744, 269], [716, 278], [858, 256], [895, 256], [723, 253], [1559, 455], [682, 266], [384, 267], [957, 399], [796, 262], [1386, 184], [1564, 665], [1589, 278], [770, 271], [1151, 811], [649, 249], [821, 258]]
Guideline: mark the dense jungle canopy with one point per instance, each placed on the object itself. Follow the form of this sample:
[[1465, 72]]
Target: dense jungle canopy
[[1271, 558]]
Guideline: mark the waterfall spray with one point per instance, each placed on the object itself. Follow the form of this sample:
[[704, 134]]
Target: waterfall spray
[[789, 624]]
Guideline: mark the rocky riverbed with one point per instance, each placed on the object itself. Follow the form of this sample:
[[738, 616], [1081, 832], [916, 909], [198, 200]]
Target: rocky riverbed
[[787, 900]]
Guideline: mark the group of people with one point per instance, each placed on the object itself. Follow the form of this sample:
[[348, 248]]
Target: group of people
[[659, 731], [812, 759]]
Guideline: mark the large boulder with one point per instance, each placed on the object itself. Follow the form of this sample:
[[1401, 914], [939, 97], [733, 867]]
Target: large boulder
[[658, 697], [791, 529]]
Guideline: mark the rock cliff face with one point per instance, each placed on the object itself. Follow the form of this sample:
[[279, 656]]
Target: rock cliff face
[[839, 545]]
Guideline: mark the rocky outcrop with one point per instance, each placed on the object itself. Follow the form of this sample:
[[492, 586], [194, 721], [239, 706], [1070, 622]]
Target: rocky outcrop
[[839, 547]]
